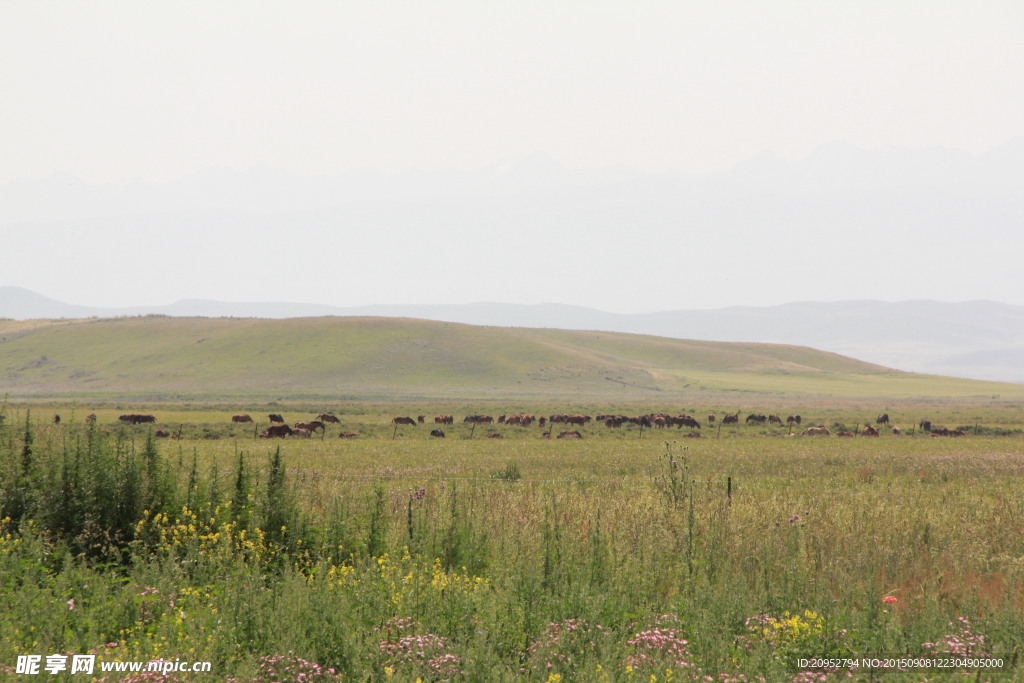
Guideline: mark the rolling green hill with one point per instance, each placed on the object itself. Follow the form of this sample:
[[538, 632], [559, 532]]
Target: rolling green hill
[[375, 358]]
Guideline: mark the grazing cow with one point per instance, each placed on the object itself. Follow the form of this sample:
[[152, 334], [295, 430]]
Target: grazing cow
[[347, 435], [300, 433], [161, 434], [541, 422], [274, 417], [241, 418], [687, 421], [494, 435], [570, 435], [404, 421], [437, 433], [758, 418], [817, 431], [925, 425], [731, 419], [948, 432], [328, 418], [421, 418], [277, 431], [444, 419], [774, 420], [896, 431], [869, 431], [711, 418], [56, 419], [882, 419], [793, 419], [137, 419], [479, 419], [311, 426]]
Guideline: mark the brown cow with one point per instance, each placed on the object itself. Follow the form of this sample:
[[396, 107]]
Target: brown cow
[[869, 431], [328, 418], [925, 425], [817, 431], [437, 433], [300, 433], [793, 419], [278, 431], [731, 418], [311, 426], [347, 435], [882, 419], [274, 417], [774, 419], [404, 421], [444, 419], [241, 418]]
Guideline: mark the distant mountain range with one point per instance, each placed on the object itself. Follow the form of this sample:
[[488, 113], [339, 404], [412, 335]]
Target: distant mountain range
[[977, 340]]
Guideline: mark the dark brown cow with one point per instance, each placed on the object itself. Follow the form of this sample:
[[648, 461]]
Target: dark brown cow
[[274, 417], [404, 421], [278, 431], [311, 426], [437, 433], [56, 419], [161, 434], [444, 419], [730, 419], [925, 425], [882, 419], [421, 418], [137, 419], [774, 420], [759, 418], [241, 418], [328, 418], [793, 419]]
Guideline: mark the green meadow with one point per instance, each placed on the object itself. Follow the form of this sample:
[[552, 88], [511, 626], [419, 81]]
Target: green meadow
[[625, 555], [631, 554]]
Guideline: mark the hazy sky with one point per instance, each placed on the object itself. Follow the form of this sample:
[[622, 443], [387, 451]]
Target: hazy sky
[[116, 91]]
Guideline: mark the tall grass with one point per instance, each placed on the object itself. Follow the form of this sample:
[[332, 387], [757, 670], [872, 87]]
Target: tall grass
[[601, 560]]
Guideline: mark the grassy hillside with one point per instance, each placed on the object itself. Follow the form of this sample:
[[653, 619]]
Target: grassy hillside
[[157, 357]]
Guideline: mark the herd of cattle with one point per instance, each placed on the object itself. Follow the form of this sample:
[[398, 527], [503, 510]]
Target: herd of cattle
[[306, 429]]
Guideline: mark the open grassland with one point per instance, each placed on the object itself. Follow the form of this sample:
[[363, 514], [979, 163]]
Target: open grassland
[[239, 360], [621, 556]]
